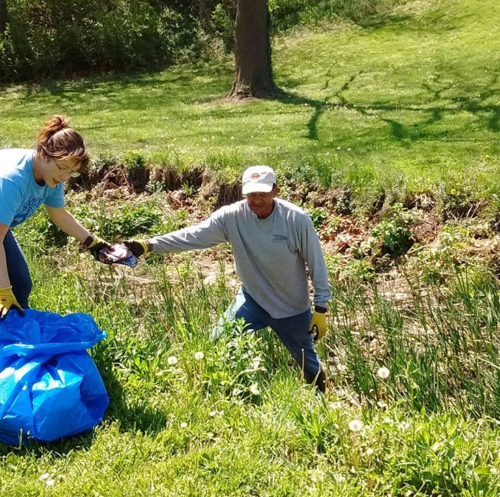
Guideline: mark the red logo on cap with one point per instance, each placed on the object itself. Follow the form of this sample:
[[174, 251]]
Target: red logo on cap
[[255, 176]]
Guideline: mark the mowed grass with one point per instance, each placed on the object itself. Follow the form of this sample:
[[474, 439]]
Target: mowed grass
[[411, 98]]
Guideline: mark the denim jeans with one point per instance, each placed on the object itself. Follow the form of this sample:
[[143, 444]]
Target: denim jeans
[[17, 268], [292, 331]]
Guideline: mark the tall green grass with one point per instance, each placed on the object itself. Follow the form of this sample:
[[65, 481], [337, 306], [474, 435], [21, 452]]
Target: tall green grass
[[237, 419]]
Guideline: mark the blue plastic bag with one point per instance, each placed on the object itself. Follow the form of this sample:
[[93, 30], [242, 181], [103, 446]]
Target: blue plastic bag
[[49, 386]]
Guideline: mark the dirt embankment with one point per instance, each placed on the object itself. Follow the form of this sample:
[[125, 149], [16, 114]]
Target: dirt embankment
[[195, 187]]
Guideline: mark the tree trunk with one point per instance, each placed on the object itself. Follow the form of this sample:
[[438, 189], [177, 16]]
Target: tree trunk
[[253, 75], [3, 16]]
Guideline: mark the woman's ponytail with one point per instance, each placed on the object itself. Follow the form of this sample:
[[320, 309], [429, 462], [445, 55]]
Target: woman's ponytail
[[57, 140]]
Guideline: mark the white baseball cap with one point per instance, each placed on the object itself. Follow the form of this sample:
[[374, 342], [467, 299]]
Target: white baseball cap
[[258, 179]]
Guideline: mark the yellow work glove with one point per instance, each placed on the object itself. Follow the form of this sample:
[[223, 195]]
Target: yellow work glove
[[317, 328], [94, 245], [138, 247], [7, 302]]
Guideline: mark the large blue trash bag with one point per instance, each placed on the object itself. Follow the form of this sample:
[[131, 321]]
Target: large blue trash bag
[[49, 386]]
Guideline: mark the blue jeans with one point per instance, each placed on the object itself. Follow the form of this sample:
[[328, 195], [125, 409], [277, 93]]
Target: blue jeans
[[17, 268], [292, 331]]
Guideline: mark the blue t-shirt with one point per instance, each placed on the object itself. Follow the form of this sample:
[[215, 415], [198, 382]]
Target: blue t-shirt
[[20, 195]]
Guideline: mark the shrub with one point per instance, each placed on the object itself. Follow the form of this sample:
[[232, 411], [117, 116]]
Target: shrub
[[79, 36], [393, 233]]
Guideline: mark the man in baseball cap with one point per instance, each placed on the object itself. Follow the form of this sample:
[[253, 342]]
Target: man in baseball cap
[[275, 247]]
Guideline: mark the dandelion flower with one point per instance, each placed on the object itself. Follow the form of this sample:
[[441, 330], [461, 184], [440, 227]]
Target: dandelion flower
[[383, 373], [50, 483], [254, 389], [199, 356], [172, 360], [355, 425]]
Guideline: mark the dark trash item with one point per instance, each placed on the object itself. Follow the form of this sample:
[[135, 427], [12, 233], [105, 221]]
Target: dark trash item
[[118, 254], [50, 387]]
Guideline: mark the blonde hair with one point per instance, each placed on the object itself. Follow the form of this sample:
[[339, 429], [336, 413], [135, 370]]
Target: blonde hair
[[57, 140]]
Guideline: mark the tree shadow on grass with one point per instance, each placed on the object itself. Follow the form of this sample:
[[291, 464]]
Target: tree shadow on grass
[[135, 91], [473, 101]]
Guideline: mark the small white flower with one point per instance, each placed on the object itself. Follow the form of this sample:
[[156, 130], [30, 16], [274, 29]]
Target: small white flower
[[383, 373], [199, 356], [335, 405], [404, 425], [172, 360], [254, 389], [369, 451], [382, 404], [184, 425], [44, 476], [50, 483], [355, 425], [216, 413]]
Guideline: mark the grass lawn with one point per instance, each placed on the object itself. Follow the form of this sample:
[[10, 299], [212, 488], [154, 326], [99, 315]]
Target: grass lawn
[[412, 98]]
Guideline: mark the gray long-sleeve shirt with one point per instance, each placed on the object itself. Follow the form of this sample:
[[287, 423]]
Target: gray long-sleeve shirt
[[270, 254]]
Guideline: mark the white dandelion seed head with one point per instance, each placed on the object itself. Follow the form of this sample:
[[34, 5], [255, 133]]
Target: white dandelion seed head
[[184, 425], [199, 356], [172, 360], [50, 483], [355, 425], [383, 373], [254, 389], [44, 476], [369, 451]]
